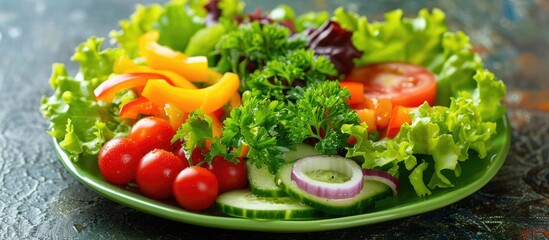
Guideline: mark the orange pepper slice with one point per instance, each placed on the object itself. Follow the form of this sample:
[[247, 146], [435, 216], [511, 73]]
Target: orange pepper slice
[[208, 99], [399, 116], [163, 58], [357, 92], [126, 65]]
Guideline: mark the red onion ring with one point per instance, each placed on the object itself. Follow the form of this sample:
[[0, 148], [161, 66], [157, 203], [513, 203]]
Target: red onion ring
[[347, 189]]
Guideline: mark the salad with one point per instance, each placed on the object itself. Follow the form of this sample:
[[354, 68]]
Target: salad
[[273, 115]]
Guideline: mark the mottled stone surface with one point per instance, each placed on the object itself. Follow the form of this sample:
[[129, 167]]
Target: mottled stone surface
[[40, 199]]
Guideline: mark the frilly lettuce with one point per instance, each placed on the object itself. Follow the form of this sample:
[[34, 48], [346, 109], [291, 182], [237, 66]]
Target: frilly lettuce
[[468, 98], [77, 121]]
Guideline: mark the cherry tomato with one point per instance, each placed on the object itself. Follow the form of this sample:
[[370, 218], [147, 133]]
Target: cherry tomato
[[196, 157], [195, 188], [151, 133], [404, 84], [156, 172], [118, 160], [229, 175]]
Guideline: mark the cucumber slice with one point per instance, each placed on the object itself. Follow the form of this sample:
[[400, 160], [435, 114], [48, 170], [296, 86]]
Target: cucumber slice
[[242, 203], [262, 182], [371, 192], [301, 150]]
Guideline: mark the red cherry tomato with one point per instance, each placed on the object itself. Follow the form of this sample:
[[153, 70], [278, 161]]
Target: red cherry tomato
[[118, 160], [151, 133], [404, 84], [229, 175], [156, 172], [195, 188], [196, 157]]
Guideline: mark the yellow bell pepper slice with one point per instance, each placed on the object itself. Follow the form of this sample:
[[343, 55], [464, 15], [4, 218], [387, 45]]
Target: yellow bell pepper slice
[[235, 100], [126, 65], [208, 99], [163, 58]]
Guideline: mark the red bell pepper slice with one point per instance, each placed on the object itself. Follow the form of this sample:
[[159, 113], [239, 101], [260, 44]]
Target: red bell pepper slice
[[141, 106], [108, 89]]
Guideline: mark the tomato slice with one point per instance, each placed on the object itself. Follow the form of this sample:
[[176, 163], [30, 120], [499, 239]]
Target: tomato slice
[[404, 84]]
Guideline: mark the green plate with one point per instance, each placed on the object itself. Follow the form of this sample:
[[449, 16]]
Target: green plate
[[475, 174]]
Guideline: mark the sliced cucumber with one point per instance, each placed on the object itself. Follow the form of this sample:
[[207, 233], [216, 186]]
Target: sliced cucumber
[[242, 203], [262, 182], [371, 192], [301, 150]]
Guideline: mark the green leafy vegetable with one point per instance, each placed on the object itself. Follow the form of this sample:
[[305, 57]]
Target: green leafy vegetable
[[177, 24], [77, 121], [260, 124], [252, 45], [195, 131], [204, 40], [319, 116], [311, 20], [282, 13], [95, 63], [297, 68], [140, 22], [444, 133], [177, 21], [487, 96]]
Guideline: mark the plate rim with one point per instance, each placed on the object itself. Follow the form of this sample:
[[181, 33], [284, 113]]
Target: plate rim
[[164, 210]]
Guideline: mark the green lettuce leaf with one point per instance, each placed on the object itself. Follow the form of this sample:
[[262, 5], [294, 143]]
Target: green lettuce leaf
[[446, 134], [177, 24], [487, 96], [176, 21], [95, 63], [310, 20], [77, 121], [140, 22]]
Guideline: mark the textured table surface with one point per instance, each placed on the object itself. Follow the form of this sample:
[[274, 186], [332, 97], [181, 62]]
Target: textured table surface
[[40, 199]]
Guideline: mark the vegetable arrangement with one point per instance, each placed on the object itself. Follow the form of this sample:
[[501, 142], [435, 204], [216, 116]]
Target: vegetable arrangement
[[272, 115]]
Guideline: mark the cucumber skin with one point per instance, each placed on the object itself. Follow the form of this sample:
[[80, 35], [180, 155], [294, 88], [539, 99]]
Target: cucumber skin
[[305, 213], [336, 207]]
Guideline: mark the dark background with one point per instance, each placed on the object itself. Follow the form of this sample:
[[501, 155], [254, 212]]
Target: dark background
[[40, 199]]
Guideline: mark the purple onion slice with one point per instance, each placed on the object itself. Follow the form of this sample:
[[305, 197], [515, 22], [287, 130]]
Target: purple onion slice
[[336, 165], [383, 177]]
